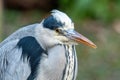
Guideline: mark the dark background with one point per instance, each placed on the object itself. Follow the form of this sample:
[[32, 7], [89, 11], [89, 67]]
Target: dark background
[[99, 20]]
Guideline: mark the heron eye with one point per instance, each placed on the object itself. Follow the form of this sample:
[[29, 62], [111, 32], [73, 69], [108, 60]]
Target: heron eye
[[57, 30]]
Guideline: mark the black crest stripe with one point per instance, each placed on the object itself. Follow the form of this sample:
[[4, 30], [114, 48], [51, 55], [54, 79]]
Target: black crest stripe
[[51, 23], [33, 51]]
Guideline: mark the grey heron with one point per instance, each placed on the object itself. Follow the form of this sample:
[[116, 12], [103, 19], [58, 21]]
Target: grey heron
[[42, 51]]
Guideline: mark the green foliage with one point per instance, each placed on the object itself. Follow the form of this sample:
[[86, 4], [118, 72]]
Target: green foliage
[[0, 24], [102, 63], [103, 10]]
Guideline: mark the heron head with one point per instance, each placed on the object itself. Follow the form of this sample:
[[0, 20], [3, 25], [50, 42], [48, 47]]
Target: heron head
[[63, 29]]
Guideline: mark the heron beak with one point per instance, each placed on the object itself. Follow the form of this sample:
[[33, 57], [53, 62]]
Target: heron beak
[[79, 38]]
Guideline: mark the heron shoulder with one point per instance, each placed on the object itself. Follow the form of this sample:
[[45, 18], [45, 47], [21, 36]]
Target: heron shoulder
[[33, 51], [20, 33]]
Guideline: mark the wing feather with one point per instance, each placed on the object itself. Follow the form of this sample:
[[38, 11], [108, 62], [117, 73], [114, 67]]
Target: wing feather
[[10, 62]]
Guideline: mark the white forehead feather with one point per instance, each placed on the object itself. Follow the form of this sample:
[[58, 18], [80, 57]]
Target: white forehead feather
[[62, 17]]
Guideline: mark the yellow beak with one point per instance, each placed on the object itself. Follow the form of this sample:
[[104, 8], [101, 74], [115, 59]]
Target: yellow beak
[[79, 38]]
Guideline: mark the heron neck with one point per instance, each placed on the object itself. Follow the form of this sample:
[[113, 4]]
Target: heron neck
[[70, 69]]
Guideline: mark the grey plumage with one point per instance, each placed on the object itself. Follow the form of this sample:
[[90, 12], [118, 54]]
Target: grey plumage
[[41, 51]]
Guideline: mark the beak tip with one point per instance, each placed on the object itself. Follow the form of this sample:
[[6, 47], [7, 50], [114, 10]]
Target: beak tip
[[94, 46]]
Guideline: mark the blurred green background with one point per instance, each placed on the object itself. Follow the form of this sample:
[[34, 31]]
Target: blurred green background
[[99, 20]]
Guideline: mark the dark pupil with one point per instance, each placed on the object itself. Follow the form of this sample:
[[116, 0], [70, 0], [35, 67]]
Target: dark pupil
[[57, 30]]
